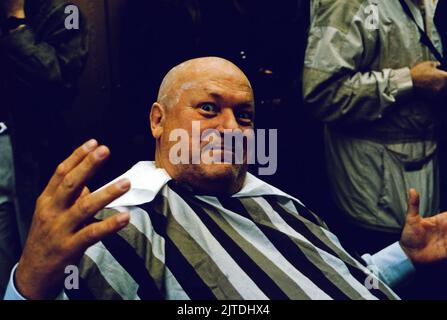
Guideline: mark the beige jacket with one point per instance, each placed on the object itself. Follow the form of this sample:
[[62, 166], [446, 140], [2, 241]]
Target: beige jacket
[[380, 137], [357, 69]]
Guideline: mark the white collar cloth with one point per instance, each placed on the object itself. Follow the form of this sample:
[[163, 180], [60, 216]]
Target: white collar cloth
[[147, 180]]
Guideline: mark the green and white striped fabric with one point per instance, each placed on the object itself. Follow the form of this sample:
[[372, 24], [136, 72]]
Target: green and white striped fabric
[[184, 246]]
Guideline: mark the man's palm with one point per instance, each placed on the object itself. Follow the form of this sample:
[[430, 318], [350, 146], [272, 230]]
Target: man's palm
[[424, 240]]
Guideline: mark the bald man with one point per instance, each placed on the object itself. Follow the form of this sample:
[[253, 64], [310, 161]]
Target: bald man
[[204, 231]]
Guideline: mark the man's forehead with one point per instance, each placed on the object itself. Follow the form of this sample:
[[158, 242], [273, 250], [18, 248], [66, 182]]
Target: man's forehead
[[219, 89], [216, 85]]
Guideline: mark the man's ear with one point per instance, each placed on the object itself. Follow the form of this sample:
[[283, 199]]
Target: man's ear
[[157, 118]]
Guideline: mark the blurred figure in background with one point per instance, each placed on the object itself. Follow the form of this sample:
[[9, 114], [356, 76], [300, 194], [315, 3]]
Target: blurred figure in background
[[40, 61]]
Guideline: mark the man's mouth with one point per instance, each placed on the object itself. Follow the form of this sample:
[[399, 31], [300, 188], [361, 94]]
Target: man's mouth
[[218, 147]]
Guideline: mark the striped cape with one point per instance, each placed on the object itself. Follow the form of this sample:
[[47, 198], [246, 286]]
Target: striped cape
[[183, 246]]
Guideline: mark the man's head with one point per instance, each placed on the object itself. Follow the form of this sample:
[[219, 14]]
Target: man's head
[[216, 94]]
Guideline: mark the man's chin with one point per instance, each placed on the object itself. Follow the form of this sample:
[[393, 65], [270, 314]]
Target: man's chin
[[221, 171], [217, 178]]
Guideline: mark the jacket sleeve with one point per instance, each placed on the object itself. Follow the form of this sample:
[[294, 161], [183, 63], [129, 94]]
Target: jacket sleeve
[[44, 58], [339, 83]]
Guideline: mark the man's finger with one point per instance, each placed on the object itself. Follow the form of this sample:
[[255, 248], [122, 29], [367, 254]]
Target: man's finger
[[413, 203], [94, 232], [69, 164], [85, 192], [88, 206], [72, 184]]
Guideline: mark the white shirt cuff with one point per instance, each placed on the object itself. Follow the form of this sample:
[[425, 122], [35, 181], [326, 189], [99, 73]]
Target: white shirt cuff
[[393, 264], [11, 292]]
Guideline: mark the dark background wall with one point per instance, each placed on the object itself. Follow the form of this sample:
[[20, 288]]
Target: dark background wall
[[133, 43]]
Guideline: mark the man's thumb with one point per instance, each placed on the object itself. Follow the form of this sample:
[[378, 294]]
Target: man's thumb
[[413, 203]]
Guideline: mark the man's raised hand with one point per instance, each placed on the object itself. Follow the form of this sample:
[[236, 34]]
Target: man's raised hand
[[424, 240], [61, 230]]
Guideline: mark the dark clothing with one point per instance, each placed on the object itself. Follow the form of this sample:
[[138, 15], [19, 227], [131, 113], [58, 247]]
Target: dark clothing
[[40, 64], [441, 23], [3, 114]]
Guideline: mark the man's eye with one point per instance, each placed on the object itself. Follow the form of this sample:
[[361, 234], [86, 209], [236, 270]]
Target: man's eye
[[208, 107], [245, 116]]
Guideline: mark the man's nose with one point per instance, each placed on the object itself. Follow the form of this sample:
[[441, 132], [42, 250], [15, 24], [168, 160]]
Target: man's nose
[[227, 120]]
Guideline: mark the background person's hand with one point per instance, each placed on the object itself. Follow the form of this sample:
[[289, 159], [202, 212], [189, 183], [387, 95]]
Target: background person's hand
[[428, 79], [15, 8], [60, 232], [424, 240]]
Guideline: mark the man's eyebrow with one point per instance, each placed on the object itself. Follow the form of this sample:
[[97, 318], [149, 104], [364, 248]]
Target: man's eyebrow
[[214, 94]]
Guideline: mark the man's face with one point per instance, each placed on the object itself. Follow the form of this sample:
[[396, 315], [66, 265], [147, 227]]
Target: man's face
[[219, 100]]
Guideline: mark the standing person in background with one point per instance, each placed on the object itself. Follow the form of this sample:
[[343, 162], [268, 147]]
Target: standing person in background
[[373, 82], [40, 61]]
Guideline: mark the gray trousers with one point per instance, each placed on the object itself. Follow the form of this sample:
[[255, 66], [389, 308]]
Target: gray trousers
[[10, 246]]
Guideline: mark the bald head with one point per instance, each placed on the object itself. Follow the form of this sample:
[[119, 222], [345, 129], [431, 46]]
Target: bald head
[[196, 97], [187, 74]]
